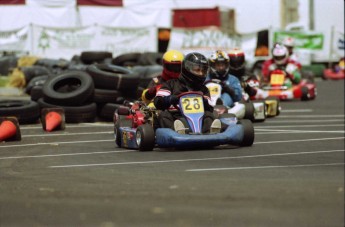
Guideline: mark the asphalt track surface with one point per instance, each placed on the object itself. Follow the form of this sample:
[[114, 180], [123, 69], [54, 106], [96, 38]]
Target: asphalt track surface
[[293, 175]]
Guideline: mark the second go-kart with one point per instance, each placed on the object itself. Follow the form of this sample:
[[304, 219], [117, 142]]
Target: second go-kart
[[246, 109], [138, 129]]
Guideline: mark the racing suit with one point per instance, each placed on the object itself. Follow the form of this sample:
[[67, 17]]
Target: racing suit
[[166, 98], [291, 67], [231, 89]]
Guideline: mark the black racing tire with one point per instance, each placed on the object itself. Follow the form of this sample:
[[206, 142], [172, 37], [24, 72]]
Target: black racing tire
[[108, 76], [89, 57], [31, 72], [145, 137], [106, 96], [36, 93], [249, 111], [26, 111], [74, 114], [305, 94], [129, 59], [72, 88], [106, 111], [117, 134], [36, 81], [151, 58], [248, 129]]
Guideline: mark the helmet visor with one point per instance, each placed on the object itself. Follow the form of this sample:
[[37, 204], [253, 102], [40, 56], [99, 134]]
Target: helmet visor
[[197, 69], [173, 67]]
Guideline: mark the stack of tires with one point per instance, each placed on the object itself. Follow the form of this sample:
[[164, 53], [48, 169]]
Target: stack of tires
[[74, 92], [113, 85]]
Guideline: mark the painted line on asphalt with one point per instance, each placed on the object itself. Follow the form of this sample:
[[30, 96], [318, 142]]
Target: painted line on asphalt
[[265, 167], [296, 110], [96, 141], [67, 134], [56, 143], [298, 126], [303, 121], [302, 140], [84, 125], [281, 131], [312, 116], [69, 154], [190, 160]]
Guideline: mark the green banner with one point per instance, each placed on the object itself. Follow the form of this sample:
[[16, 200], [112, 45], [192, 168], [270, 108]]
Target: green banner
[[311, 41]]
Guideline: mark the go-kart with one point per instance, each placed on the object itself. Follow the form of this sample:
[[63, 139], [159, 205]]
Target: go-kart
[[136, 129], [277, 87], [246, 109], [337, 72]]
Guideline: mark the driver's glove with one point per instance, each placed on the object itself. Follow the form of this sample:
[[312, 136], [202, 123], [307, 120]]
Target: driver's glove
[[173, 99]]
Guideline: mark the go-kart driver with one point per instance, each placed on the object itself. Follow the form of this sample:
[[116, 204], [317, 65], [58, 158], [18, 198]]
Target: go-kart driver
[[237, 68], [172, 61], [289, 43], [282, 61], [231, 87], [193, 74]]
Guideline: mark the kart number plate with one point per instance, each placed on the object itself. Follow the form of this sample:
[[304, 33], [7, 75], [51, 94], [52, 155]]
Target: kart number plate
[[192, 105], [277, 79], [214, 90]]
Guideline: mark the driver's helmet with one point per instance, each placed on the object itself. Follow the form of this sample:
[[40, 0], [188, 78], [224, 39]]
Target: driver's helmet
[[195, 68], [172, 61], [280, 54], [219, 64], [289, 43], [237, 59]]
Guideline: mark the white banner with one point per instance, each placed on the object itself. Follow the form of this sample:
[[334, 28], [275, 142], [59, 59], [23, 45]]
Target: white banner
[[15, 40], [67, 42], [126, 40], [202, 40]]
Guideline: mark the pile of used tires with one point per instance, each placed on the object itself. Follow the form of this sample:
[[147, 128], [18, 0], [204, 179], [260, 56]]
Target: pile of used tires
[[88, 87]]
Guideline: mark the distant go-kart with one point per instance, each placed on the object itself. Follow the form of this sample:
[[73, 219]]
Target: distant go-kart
[[246, 109], [305, 90], [136, 127]]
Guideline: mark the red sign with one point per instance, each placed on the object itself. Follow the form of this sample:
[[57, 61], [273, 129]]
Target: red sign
[[100, 2]]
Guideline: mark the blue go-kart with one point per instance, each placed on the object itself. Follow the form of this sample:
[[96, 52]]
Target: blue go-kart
[[136, 127]]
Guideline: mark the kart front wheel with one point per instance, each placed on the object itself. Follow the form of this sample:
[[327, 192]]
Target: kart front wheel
[[248, 133], [145, 137]]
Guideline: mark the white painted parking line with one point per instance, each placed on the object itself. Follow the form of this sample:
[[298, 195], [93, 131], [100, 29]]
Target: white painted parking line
[[190, 160], [55, 143], [266, 167], [69, 154]]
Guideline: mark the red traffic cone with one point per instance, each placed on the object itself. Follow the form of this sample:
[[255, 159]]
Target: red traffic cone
[[52, 119], [9, 129]]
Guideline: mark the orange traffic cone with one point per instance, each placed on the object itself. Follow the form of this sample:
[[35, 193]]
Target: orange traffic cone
[[9, 129], [53, 118]]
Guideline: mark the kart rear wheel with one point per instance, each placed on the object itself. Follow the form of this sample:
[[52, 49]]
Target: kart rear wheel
[[248, 131], [145, 137], [249, 111], [305, 94], [117, 134]]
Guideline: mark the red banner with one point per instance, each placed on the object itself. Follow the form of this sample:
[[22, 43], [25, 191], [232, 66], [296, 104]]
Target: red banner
[[12, 2], [99, 2], [192, 18]]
